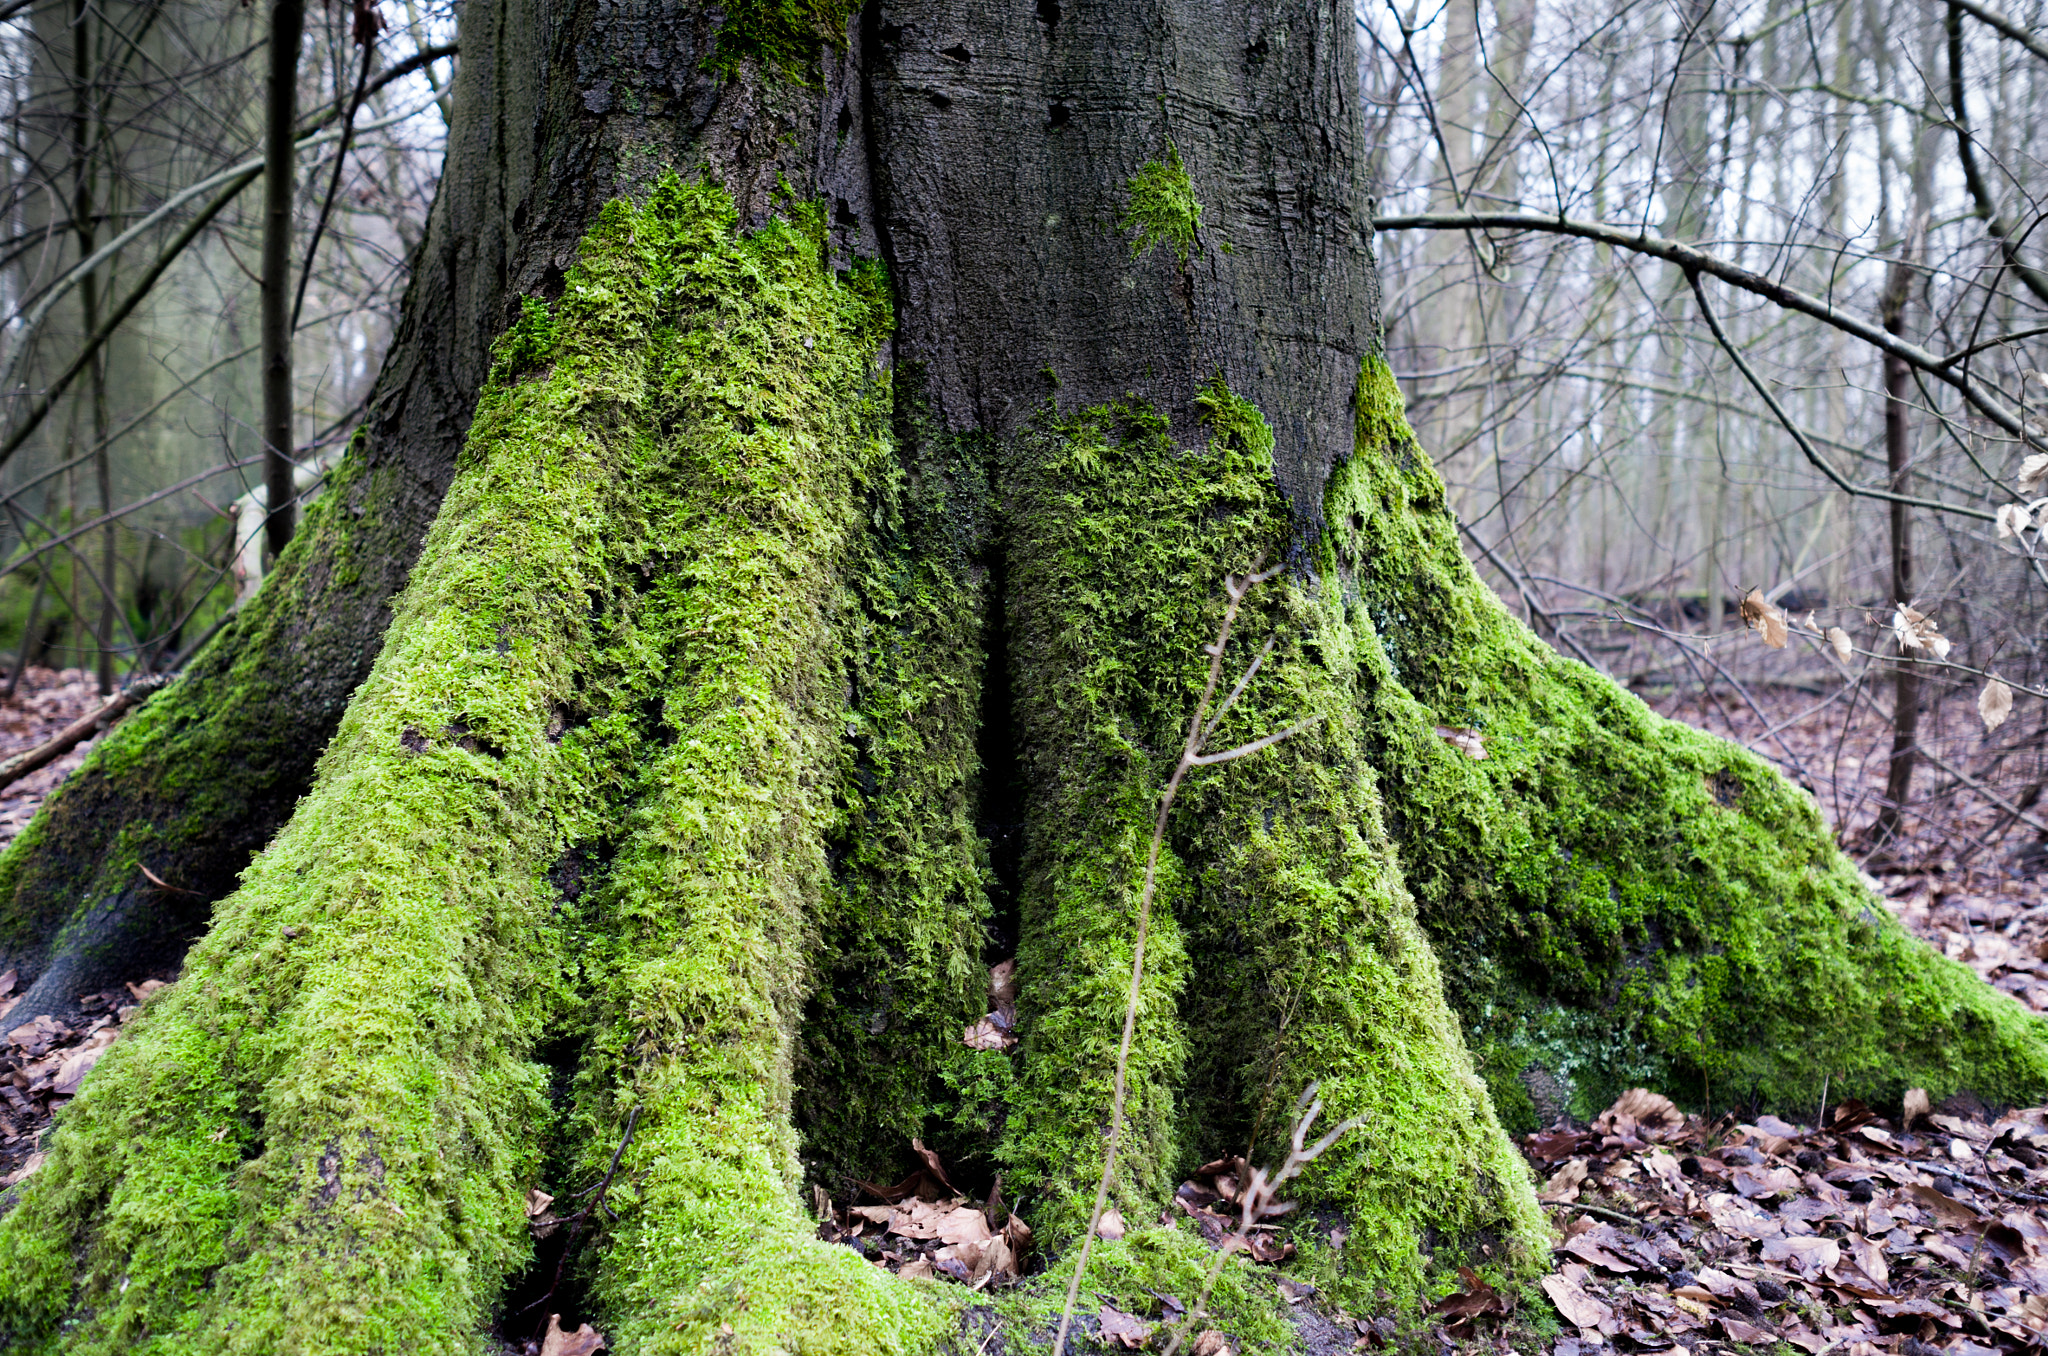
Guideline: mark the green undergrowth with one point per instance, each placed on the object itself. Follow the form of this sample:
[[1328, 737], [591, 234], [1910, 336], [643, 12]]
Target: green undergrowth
[[1617, 899], [1284, 948], [1163, 209]]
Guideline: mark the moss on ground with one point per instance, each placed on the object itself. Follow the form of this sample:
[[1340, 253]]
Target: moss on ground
[[1616, 898], [1284, 948]]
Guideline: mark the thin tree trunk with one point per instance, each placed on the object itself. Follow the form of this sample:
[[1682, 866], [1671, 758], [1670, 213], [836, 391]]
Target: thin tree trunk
[[1898, 443], [281, 113]]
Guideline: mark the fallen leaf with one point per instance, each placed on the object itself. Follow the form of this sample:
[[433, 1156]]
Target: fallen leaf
[[1807, 1254], [1845, 650], [78, 1062], [537, 1202], [1946, 1209], [1759, 615], [1994, 704], [1469, 742], [1574, 1303], [8, 979], [2013, 519], [986, 1035], [1916, 1106], [1213, 1343], [1110, 1226], [1639, 1106], [1744, 1334], [582, 1342], [1128, 1329], [933, 1166], [24, 1172], [1564, 1183]]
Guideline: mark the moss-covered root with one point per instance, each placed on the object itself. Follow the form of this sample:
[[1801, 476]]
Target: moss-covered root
[[775, 414], [1284, 946], [318, 1138], [1617, 898]]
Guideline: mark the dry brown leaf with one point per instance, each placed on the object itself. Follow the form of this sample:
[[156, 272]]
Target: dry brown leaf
[[2013, 519], [1759, 615], [77, 1063], [1845, 649], [537, 1202], [921, 1268], [1951, 1212], [582, 1342], [1807, 1254], [1916, 1106], [1128, 1330], [1574, 1303], [1213, 1343], [1471, 743], [1994, 704], [1110, 1226], [24, 1172], [142, 991], [1564, 1183], [1651, 1111], [2032, 472], [8, 979], [1915, 630], [986, 1035]]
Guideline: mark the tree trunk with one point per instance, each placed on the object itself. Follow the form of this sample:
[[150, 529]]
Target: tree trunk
[[811, 621], [205, 774]]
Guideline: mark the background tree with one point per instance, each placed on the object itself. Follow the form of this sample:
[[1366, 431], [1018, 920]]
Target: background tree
[[876, 405]]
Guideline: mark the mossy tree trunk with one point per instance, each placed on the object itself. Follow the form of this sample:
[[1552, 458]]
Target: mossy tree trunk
[[813, 611]]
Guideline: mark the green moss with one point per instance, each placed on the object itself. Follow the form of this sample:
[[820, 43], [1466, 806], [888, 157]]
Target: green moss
[[1284, 947], [773, 450], [321, 1134], [901, 931], [1616, 898], [781, 36], [1163, 209]]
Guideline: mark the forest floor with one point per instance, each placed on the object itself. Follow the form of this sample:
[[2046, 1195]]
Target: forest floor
[[1677, 1234]]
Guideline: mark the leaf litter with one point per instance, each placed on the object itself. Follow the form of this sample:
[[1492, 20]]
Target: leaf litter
[[43, 1062], [1858, 1236]]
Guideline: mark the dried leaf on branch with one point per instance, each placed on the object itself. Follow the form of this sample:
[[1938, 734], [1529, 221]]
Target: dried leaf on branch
[[1758, 614]]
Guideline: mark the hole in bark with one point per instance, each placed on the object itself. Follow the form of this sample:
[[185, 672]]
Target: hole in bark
[[524, 1317], [519, 217], [1049, 13], [958, 52], [1256, 52], [892, 35], [845, 121], [1060, 115], [845, 215], [940, 100]]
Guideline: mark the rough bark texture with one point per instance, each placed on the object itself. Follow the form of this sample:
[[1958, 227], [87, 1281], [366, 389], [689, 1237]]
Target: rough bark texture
[[812, 619], [206, 773]]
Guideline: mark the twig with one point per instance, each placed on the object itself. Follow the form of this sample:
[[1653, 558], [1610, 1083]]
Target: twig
[[77, 732], [1258, 1199], [1235, 587], [582, 1216]]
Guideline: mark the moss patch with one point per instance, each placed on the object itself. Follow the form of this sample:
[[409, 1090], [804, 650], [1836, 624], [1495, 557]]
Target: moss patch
[[1284, 946], [1598, 910], [783, 37], [1163, 210]]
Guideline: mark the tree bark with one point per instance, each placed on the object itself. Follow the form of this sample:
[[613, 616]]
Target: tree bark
[[811, 620]]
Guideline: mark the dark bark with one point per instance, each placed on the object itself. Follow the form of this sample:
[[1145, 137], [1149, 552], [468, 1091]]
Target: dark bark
[[1898, 447], [281, 116], [1004, 141]]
